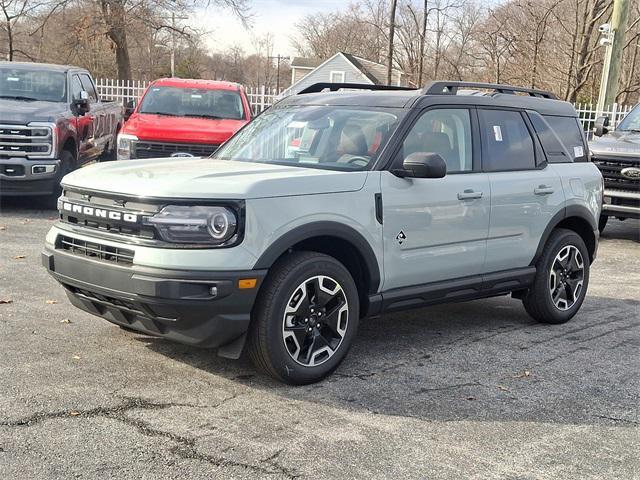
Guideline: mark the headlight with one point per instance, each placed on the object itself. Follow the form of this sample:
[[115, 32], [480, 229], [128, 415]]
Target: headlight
[[196, 224], [124, 145]]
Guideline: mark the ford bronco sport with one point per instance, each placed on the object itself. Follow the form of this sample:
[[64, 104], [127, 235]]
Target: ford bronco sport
[[331, 207]]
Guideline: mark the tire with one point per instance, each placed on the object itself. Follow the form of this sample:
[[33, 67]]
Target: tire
[[602, 223], [563, 253], [67, 163], [290, 346]]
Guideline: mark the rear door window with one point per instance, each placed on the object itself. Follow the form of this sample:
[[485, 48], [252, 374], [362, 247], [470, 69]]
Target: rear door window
[[555, 150], [506, 141], [569, 131]]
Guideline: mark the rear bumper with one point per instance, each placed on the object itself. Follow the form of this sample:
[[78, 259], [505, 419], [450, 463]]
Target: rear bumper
[[621, 203], [200, 308], [19, 176]]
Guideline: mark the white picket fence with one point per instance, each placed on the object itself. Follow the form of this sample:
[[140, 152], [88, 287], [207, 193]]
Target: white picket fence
[[263, 97], [260, 98]]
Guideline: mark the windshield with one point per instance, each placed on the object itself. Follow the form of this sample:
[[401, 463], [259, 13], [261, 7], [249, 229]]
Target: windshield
[[631, 121], [193, 102], [32, 85], [333, 137]]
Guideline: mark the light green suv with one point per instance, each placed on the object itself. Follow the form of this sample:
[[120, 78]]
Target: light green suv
[[331, 207]]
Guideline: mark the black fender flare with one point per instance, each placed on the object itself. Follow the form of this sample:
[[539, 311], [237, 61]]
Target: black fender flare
[[579, 211], [323, 229]]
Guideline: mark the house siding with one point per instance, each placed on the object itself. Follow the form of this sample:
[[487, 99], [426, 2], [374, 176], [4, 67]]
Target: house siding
[[323, 74], [300, 73]]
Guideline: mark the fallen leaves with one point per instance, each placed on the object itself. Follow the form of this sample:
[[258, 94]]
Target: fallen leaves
[[2, 227], [74, 413], [76, 357], [5, 301], [19, 257], [51, 302], [65, 320], [525, 373]]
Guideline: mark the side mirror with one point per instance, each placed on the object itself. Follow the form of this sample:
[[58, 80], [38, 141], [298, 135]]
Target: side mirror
[[81, 104], [422, 165], [129, 108], [600, 127]]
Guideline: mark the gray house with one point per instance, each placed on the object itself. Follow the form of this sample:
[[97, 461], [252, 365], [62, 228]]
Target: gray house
[[340, 68]]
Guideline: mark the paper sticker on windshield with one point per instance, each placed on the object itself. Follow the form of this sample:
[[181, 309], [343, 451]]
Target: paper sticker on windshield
[[13, 79], [578, 152], [497, 133], [195, 95], [297, 124]]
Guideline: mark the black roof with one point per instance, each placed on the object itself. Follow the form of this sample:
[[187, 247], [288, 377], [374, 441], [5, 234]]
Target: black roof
[[532, 99], [40, 66]]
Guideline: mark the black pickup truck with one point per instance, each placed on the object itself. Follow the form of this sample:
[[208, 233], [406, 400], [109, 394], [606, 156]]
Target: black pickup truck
[[51, 122], [617, 155]]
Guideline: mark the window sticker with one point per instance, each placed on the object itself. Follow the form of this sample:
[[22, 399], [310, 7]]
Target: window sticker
[[13, 79], [497, 133], [195, 95], [578, 151]]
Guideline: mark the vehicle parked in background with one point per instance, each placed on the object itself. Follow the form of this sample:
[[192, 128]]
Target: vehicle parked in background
[[183, 118], [51, 122], [388, 200], [617, 155]]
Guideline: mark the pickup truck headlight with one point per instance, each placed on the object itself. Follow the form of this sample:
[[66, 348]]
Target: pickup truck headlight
[[124, 145], [196, 224]]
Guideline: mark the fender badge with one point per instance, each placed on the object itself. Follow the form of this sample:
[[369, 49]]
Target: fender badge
[[401, 237]]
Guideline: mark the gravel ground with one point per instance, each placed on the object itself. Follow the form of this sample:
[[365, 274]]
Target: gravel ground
[[473, 390]]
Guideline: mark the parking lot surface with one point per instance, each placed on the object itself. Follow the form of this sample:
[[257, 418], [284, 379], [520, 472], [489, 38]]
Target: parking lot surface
[[470, 390]]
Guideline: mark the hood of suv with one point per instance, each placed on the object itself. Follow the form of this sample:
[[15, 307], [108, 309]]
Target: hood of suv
[[207, 178], [168, 128], [617, 143]]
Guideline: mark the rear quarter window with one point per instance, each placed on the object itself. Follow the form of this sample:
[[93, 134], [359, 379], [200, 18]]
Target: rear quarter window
[[569, 131]]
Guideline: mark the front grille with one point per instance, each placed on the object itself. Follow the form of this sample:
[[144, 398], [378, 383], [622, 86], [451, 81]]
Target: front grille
[[144, 149], [25, 141], [95, 250], [611, 169]]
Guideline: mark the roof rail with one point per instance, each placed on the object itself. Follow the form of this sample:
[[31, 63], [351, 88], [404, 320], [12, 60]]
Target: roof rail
[[451, 88], [319, 87]]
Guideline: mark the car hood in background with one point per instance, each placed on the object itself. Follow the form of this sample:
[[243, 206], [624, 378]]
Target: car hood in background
[[22, 112], [167, 128], [617, 143], [206, 178]]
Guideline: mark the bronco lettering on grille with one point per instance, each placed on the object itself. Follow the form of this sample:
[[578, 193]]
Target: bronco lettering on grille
[[99, 212]]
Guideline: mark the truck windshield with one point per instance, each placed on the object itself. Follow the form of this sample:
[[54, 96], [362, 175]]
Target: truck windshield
[[32, 85], [632, 121], [331, 137], [193, 102]]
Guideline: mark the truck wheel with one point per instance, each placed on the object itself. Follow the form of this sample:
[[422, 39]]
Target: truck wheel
[[561, 281], [602, 222], [305, 318], [67, 162]]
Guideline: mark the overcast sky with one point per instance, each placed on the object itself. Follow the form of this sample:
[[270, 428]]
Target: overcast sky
[[275, 16]]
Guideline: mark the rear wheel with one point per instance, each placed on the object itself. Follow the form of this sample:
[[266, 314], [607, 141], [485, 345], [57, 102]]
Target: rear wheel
[[561, 281], [305, 318]]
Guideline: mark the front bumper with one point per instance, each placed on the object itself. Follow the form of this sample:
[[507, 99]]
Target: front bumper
[[20, 176], [621, 203], [200, 308]]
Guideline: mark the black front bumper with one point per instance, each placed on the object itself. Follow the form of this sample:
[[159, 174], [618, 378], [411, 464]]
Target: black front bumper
[[18, 177], [200, 308]]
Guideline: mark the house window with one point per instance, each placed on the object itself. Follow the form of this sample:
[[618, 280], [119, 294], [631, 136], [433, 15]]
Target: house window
[[336, 77]]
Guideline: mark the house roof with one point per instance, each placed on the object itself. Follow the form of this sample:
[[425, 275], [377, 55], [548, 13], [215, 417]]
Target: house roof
[[302, 62], [376, 72]]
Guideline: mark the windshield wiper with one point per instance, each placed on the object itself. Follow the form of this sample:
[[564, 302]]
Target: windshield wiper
[[19, 97], [634, 130], [163, 113], [203, 115]]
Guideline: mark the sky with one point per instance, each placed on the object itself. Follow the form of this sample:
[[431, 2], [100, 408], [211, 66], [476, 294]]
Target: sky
[[277, 17]]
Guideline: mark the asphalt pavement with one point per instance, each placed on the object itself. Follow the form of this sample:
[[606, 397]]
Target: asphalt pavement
[[473, 390]]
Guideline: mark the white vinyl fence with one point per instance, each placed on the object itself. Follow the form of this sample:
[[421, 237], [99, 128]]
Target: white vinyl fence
[[260, 98], [263, 97]]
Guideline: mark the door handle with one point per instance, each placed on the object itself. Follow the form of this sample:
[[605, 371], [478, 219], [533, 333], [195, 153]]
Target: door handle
[[543, 190], [469, 194]]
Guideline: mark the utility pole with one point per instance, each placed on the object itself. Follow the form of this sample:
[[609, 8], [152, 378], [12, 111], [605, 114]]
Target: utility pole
[[392, 31], [278, 58], [613, 39]]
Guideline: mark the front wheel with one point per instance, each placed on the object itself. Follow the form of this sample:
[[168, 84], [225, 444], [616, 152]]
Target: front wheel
[[305, 318], [562, 278]]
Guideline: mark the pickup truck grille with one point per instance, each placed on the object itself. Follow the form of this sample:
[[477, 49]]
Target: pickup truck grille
[[611, 169], [95, 250], [145, 149], [26, 141]]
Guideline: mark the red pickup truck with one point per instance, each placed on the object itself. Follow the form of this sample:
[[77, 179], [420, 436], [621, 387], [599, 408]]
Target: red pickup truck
[[182, 118]]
